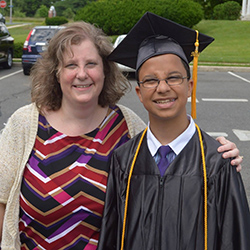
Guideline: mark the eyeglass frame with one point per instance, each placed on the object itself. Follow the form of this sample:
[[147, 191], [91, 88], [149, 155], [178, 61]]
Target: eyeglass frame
[[159, 80]]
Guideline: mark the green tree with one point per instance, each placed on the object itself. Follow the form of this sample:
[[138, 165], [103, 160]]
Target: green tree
[[68, 13], [42, 11], [74, 5], [29, 7]]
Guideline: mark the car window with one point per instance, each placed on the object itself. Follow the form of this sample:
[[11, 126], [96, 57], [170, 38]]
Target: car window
[[42, 35], [118, 40]]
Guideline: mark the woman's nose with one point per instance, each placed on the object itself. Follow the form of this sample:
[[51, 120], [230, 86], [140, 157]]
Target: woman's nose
[[82, 73]]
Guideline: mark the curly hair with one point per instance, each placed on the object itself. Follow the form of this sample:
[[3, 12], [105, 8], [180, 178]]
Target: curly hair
[[45, 88]]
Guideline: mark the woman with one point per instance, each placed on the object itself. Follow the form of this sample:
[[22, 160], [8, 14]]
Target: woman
[[62, 144], [55, 152]]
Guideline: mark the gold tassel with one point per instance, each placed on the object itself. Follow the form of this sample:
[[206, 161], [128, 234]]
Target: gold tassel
[[195, 54]]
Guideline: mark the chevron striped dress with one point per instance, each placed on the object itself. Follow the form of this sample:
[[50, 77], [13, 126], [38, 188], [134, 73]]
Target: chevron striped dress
[[64, 183]]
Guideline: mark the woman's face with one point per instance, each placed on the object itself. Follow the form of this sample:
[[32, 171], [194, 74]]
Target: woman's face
[[82, 76]]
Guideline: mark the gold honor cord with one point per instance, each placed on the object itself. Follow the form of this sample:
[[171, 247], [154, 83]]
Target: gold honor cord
[[128, 186], [205, 188]]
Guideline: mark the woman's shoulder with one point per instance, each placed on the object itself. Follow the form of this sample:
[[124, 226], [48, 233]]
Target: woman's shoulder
[[25, 112], [23, 117], [134, 122]]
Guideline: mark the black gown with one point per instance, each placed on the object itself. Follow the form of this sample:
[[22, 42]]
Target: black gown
[[167, 213]]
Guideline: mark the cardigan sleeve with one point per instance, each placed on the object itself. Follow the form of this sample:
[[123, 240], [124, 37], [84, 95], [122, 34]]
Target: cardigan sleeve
[[13, 140]]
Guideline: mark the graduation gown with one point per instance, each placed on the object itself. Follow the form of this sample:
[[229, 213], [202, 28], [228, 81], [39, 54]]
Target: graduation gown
[[167, 213]]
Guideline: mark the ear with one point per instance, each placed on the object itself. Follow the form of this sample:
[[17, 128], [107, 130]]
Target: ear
[[190, 87], [138, 92]]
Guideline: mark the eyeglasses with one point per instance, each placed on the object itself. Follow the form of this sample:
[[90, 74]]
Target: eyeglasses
[[170, 81]]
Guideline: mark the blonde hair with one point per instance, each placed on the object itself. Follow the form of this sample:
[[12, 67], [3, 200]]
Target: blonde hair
[[45, 89]]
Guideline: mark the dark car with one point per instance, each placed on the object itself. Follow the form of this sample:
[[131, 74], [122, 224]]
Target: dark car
[[2, 18], [36, 42], [6, 47]]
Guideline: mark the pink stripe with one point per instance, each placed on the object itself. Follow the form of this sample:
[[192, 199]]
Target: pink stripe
[[62, 197], [101, 134]]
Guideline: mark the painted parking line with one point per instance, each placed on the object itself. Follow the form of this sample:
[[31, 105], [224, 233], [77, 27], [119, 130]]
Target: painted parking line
[[223, 100], [19, 71], [243, 135], [189, 100], [242, 78], [217, 134]]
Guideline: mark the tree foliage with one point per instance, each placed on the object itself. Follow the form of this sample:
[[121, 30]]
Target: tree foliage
[[42, 11], [30, 7], [117, 17]]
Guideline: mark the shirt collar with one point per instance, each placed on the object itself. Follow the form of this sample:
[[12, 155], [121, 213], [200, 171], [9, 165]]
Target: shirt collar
[[177, 144]]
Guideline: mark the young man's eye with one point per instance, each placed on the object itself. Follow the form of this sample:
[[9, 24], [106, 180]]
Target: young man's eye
[[150, 81], [174, 78]]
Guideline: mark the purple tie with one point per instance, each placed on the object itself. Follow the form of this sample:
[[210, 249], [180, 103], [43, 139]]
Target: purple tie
[[163, 163]]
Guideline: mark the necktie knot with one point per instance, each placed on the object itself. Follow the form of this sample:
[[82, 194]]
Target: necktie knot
[[164, 150]]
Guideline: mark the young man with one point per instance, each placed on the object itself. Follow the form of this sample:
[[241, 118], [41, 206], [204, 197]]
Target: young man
[[190, 197]]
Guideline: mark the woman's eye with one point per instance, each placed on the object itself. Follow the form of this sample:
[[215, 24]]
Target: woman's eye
[[70, 65], [91, 64]]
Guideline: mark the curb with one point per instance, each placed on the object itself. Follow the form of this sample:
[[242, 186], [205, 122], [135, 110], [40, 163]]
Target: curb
[[222, 69]]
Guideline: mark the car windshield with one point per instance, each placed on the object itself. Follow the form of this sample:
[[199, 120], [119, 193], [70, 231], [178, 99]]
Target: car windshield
[[42, 35]]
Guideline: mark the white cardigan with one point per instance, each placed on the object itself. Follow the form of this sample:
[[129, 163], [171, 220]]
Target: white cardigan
[[16, 143]]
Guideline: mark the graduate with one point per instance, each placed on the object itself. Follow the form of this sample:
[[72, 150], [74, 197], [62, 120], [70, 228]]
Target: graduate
[[168, 187]]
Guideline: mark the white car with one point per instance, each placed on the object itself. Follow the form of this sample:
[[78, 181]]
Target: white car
[[122, 67]]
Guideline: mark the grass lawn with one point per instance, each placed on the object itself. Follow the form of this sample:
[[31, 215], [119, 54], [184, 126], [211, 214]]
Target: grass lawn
[[231, 45]]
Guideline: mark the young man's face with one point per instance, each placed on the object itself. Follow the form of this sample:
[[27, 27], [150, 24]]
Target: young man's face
[[164, 102]]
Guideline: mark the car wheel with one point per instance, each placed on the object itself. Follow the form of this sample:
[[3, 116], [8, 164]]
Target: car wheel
[[9, 62], [26, 71]]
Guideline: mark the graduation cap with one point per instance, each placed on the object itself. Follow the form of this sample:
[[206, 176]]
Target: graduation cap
[[154, 35]]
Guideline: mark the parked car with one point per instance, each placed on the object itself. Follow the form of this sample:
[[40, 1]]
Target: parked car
[[6, 47], [2, 18], [35, 43], [122, 67]]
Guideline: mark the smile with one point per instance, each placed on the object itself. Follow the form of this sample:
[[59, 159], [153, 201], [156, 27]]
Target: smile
[[83, 86], [165, 101]]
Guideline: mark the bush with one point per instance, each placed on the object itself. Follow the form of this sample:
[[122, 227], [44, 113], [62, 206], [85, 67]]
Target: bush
[[58, 20], [18, 50], [185, 12], [227, 11], [118, 17]]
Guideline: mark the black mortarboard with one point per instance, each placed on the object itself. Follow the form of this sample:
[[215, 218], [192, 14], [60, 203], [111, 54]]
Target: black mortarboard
[[151, 25], [153, 35]]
